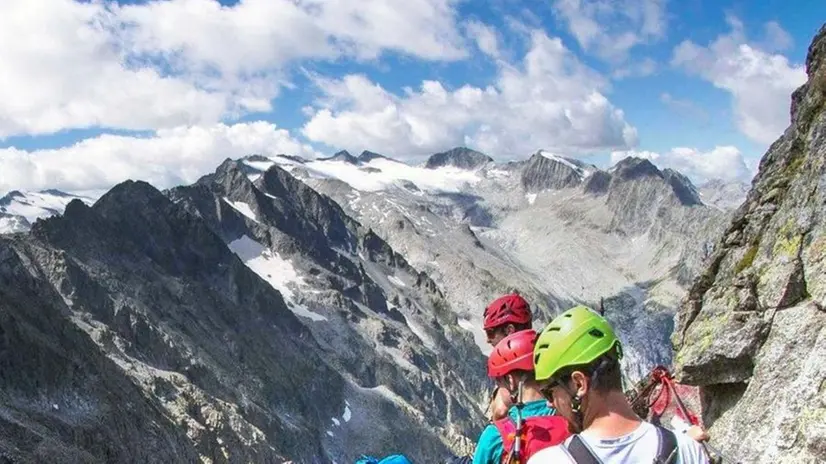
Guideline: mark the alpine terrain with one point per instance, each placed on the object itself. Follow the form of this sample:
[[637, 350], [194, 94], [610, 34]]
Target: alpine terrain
[[311, 310], [559, 231], [752, 330], [226, 321]]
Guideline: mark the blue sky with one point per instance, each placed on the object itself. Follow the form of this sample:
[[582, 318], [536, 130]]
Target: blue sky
[[333, 76]]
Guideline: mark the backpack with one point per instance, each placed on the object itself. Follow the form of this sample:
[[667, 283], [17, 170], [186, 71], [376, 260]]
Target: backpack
[[666, 454], [538, 433]]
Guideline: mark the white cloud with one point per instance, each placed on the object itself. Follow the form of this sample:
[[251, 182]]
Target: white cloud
[[611, 29], [550, 100], [760, 82], [723, 162], [160, 64], [777, 38], [485, 37], [169, 157]]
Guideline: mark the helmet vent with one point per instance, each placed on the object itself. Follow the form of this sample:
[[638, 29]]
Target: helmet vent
[[568, 315], [596, 333]]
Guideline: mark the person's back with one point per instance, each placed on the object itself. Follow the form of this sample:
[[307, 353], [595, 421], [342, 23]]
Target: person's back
[[577, 365], [511, 364], [537, 418], [638, 446]]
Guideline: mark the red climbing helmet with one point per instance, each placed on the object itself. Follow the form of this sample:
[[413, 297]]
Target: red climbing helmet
[[511, 308], [514, 352]]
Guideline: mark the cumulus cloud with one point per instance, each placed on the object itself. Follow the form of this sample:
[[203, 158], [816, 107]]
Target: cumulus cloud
[[722, 162], [160, 64], [759, 81], [485, 37], [167, 158], [550, 100], [611, 29]]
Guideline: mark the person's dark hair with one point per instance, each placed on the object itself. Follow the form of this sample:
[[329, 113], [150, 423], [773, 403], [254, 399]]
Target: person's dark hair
[[605, 373], [528, 375]]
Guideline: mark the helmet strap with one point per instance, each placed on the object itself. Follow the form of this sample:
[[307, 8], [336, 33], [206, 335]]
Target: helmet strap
[[576, 406]]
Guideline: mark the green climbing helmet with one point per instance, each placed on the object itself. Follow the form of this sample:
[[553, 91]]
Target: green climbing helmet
[[576, 337]]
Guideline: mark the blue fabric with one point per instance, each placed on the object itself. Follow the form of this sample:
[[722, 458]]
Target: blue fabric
[[490, 446]]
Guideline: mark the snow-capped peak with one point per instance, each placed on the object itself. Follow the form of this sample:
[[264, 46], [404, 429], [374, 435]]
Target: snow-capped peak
[[19, 210], [584, 170]]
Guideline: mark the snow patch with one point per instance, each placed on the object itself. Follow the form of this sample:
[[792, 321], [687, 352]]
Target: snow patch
[[330, 433], [33, 206], [336, 421], [277, 271], [395, 280], [479, 336], [579, 169], [498, 174], [531, 197], [12, 224], [443, 179], [347, 413], [419, 332], [242, 208]]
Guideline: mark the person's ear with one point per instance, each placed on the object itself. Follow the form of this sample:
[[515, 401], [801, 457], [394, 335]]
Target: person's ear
[[581, 384], [509, 329]]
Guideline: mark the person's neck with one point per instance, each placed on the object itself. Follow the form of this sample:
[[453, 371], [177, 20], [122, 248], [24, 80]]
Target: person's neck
[[610, 416], [530, 392]]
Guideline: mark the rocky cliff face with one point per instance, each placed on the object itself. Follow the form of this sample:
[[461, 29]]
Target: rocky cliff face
[[752, 330], [227, 321], [545, 171]]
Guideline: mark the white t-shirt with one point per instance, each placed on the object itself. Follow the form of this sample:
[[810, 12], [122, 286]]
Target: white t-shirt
[[638, 447]]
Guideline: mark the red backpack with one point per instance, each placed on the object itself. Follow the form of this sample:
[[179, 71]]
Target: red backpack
[[538, 433]]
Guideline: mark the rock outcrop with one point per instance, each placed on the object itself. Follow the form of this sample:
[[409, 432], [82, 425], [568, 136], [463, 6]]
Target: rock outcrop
[[459, 157], [752, 330]]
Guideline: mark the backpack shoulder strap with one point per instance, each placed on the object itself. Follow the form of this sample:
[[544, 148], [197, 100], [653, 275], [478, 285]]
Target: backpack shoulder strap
[[580, 452], [667, 452], [507, 430]]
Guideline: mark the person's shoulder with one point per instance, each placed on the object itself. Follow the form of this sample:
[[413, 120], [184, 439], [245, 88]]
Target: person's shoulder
[[490, 433], [553, 454], [490, 441], [691, 451]]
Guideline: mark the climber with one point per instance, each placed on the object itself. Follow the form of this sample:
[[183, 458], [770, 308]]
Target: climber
[[577, 363], [511, 366], [503, 316]]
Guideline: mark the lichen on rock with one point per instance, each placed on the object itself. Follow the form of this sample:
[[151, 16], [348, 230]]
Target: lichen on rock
[[752, 331]]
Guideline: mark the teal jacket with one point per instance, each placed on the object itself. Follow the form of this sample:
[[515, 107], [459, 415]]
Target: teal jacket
[[489, 448]]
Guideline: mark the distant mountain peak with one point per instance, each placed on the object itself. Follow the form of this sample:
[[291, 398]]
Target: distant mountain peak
[[633, 167], [547, 171], [459, 157], [367, 156], [343, 155]]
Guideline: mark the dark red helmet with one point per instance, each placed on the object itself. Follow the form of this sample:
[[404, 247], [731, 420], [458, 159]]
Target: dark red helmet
[[514, 352], [508, 309]]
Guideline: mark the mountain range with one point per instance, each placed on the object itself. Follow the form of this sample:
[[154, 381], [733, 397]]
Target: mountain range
[[283, 309]]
